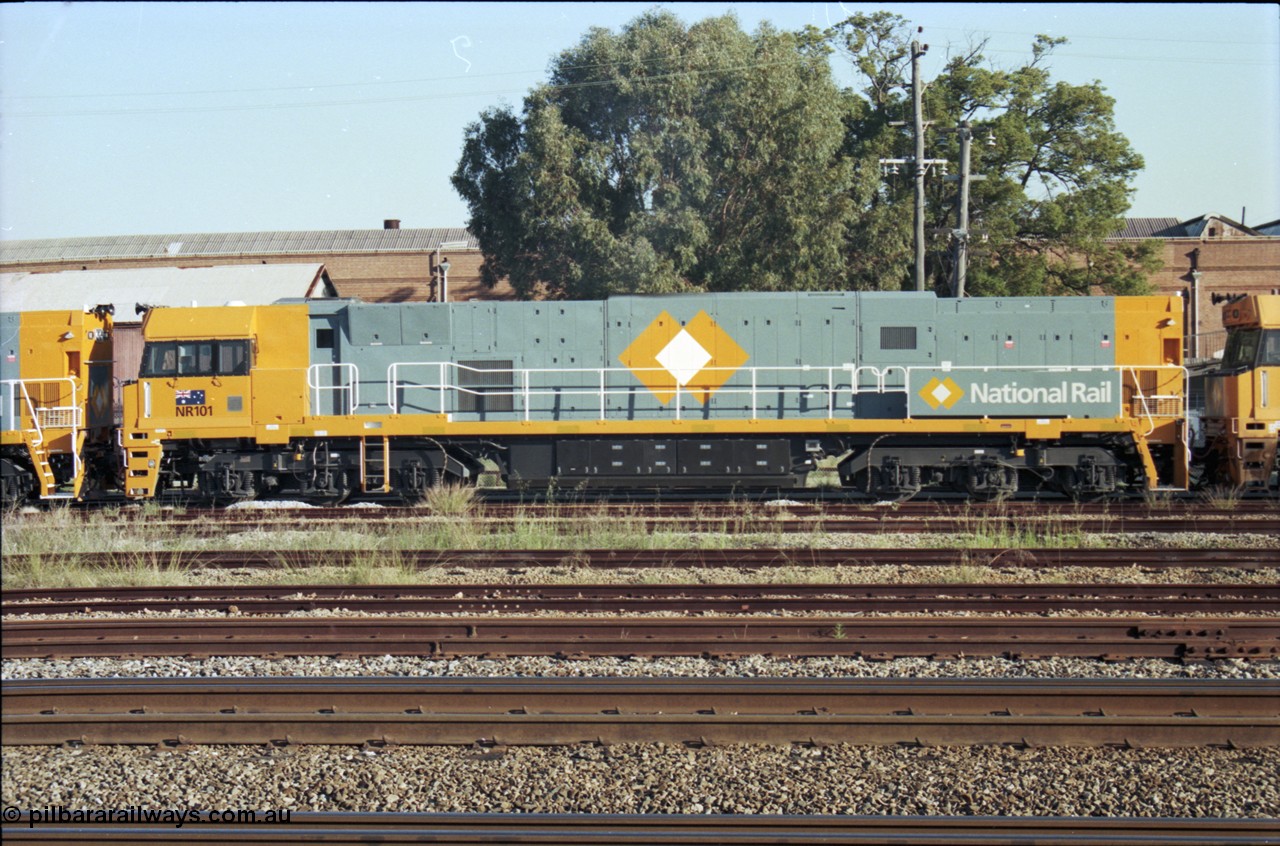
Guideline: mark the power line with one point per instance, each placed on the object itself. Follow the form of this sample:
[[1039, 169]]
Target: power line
[[666, 77], [588, 67], [1123, 38], [439, 95]]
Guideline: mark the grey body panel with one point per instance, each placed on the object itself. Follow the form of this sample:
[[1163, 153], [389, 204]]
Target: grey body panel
[[809, 356]]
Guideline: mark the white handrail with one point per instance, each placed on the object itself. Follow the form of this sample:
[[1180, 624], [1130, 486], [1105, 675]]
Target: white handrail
[[69, 417], [42, 417], [524, 387], [352, 388]]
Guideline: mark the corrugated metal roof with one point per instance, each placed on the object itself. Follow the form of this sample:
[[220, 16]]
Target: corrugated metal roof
[[1171, 227], [236, 243], [1150, 227], [1271, 229], [251, 284]]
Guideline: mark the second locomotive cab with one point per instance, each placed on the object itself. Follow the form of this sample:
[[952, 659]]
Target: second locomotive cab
[[900, 392]]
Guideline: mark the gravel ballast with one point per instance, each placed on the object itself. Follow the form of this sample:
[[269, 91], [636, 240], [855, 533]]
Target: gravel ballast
[[752, 666], [656, 778]]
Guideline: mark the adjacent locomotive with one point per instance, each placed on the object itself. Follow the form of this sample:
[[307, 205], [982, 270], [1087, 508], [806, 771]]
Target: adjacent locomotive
[[901, 392], [56, 435], [1242, 414]]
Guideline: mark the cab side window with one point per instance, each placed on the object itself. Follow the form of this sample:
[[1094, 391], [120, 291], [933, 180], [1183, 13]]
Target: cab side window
[[1270, 355], [159, 360], [233, 358]]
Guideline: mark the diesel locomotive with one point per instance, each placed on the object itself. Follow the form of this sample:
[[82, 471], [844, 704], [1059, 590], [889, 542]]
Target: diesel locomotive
[[897, 392]]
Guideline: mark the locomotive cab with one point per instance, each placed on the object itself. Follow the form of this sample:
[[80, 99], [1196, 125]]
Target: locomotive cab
[[1242, 414]]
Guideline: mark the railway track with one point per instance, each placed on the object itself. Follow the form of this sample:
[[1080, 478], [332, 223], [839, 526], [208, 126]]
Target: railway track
[[1222, 525], [701, 599], [618, 559], [1261, 517], [878, 638], [669, 830], [488, 507], [609, 711]]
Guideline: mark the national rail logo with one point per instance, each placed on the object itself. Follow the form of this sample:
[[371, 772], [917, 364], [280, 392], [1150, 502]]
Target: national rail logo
[[698, 357], [941, 393]]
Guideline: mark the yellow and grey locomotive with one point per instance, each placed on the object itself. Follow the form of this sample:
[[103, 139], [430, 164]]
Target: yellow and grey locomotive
[[902, 393]]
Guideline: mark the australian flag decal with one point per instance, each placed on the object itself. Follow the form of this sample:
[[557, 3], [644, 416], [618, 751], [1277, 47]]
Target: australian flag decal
[[189, 397]]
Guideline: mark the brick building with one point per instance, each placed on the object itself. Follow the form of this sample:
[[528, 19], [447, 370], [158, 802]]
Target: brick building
[[1207, 257], [375, 265]]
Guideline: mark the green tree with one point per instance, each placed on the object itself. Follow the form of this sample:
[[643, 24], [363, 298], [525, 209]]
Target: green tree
[[667, 158], [1057, 178]]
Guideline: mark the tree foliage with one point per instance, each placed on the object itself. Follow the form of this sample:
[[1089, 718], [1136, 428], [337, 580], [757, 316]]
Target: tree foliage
[[667, 158], [1056, 176], [662, 159]]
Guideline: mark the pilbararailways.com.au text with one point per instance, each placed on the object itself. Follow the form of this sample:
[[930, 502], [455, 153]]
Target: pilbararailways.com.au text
[[146, 816]]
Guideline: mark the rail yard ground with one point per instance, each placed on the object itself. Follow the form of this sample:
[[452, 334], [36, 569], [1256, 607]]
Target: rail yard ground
[[72, 554]]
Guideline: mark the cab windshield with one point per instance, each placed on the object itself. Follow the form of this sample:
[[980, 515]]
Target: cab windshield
[[1242, 349], [1252, 347], [195, 358]]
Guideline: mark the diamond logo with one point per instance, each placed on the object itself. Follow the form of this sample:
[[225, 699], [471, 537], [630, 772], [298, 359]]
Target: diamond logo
[[683, 357], [941, 393], [699, 357]]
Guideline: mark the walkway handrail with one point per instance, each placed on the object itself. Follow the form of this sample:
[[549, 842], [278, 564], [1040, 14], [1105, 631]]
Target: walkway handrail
[[352, 387]]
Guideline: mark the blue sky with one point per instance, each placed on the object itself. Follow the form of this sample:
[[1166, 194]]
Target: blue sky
[[154, 118]]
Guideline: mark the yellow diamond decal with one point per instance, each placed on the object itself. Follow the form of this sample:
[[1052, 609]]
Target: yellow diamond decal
[[698, 357], [940, 393]]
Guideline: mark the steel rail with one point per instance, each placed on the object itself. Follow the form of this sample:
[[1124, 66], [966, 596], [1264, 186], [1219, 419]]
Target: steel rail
[[305, 827], [617, 559], [1169, 599], [1110, 638], [567, 711], [487, 508], [1223, 525]]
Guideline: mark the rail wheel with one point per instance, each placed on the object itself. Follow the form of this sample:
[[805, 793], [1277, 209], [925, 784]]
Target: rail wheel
[[329, 488]]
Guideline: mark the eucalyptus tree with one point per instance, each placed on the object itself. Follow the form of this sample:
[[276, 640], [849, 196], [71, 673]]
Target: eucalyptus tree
[[1057, 176], [666, 158]]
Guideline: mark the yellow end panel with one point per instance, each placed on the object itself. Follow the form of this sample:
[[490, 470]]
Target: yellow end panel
[[66, 371], [279, 396], [1148, 331], [1149, 347], [57, 344]]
